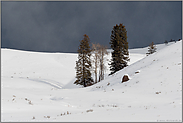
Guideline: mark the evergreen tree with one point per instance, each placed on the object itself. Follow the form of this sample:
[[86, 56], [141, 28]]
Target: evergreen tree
[[166, 42], [83, 65], [151, 49], [119, 44]]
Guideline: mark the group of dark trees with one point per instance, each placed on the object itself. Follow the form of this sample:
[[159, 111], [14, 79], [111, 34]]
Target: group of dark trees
[[172, 40], [152, 48], [120, 57]]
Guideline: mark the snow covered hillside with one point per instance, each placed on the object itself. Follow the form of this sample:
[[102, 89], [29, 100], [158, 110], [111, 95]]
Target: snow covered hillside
[[39, 87], [56, 69]]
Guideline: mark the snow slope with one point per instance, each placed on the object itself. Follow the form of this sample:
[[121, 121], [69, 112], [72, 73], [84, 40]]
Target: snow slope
[[38, 87], [57, 69], [52, 67]]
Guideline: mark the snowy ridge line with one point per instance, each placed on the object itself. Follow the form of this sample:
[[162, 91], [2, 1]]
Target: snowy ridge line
[[45, 81]]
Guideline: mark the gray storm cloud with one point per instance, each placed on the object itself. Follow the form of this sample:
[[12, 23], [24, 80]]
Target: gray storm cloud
[[58, 26]]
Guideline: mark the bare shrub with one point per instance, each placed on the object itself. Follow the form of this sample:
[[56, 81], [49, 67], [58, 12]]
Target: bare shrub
[[90, 110]]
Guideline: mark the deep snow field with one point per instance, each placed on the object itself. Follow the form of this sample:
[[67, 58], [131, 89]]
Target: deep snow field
[[39, 86]]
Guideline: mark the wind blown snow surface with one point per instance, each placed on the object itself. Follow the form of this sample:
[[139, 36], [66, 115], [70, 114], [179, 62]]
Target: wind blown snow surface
[[39, 87]]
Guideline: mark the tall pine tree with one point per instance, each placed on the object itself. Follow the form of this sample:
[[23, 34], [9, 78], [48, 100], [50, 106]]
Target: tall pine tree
[[83, 65], [119, 44]]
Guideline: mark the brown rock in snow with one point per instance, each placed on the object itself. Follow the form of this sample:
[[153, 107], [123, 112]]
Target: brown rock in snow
[[125, 78]]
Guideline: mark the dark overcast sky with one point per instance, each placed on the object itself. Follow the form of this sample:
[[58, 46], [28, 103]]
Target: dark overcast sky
[[58, 26]]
